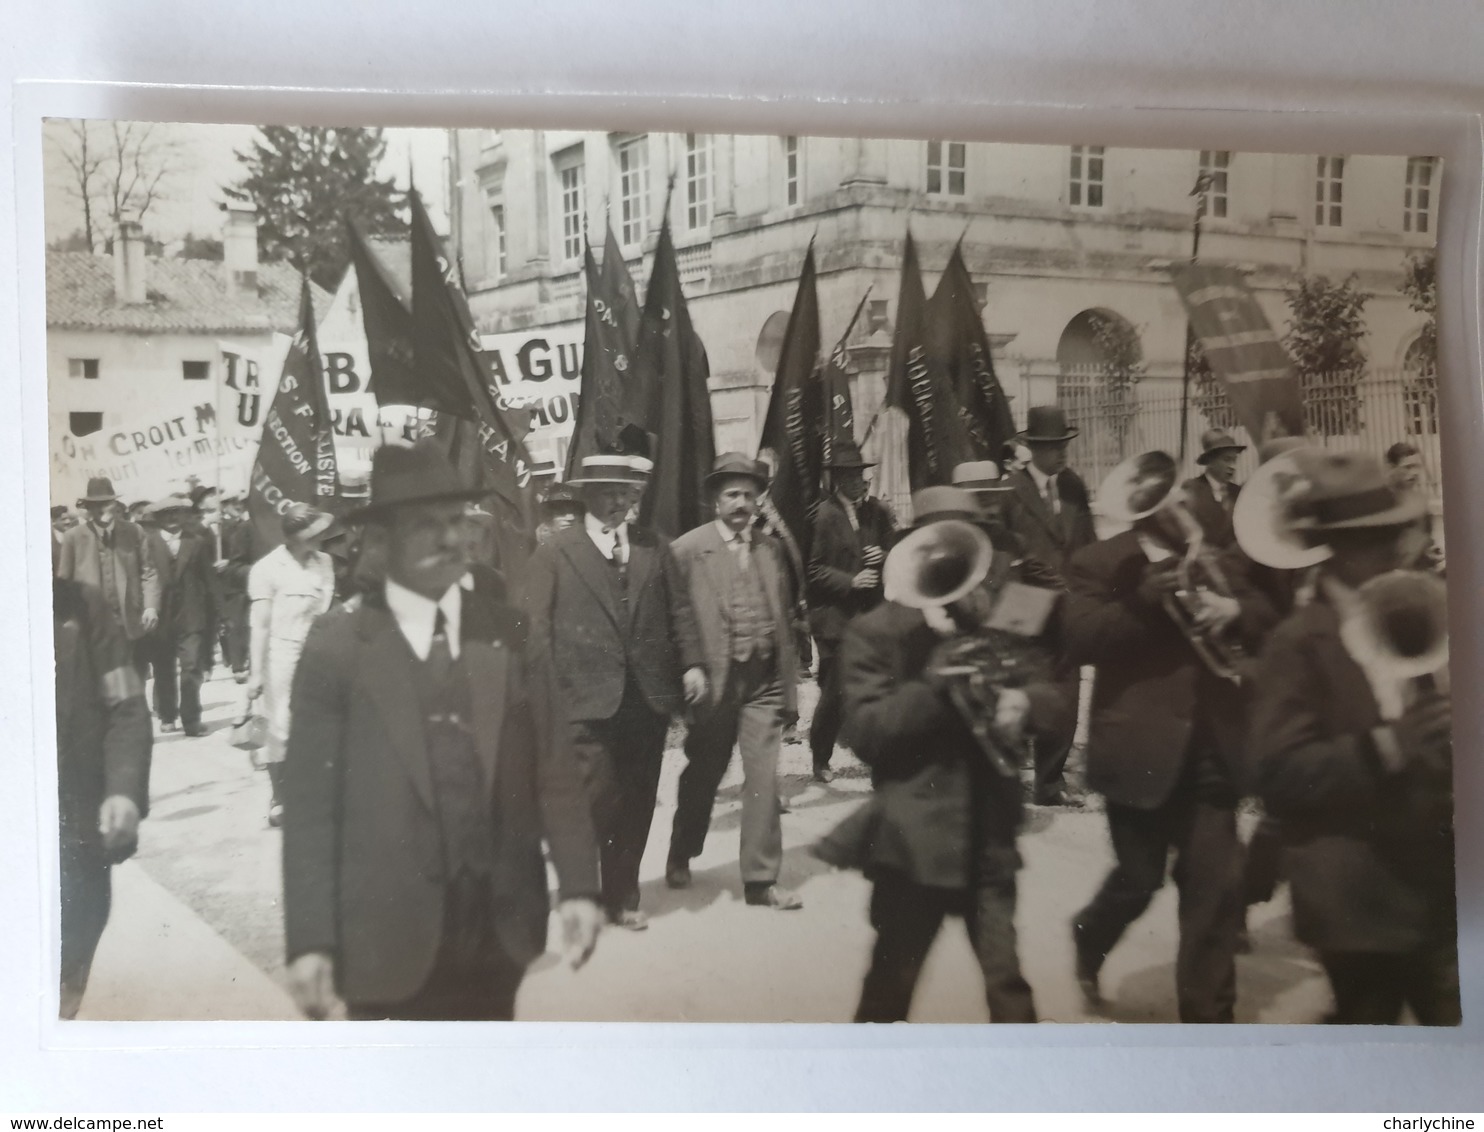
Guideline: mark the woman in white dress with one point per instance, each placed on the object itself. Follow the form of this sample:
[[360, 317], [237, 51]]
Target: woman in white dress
[[288, 587]]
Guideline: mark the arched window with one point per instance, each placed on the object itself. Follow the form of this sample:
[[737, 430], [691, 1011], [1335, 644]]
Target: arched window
[[1099, 361], [1420, 387]]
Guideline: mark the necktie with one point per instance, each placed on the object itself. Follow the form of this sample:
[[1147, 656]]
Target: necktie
[[1050, 494], [440, 655], [618, 554]]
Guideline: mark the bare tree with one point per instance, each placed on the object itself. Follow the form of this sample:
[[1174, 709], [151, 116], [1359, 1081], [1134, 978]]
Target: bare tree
[[117, 170], [85, 157]]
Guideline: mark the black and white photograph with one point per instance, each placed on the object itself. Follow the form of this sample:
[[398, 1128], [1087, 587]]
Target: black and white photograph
[[626, 576]]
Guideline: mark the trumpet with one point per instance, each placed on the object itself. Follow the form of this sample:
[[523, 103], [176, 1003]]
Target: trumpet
[[1136, 489]]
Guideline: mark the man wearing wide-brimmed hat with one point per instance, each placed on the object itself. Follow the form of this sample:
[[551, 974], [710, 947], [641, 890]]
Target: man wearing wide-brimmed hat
[[612, 618], [426, 765], [1351, 749], [180, 648], [1212, 495], [843, 579], [108, 553], [739, 588]]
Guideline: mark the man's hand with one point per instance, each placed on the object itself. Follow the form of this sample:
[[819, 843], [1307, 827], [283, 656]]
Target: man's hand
[[312, 983], [148, 620], [1216, 611], [1160, 580], [873, 556], [1011, 710], [581, 920], [254, 686], [118, 823], [694, 682], [866, 580]]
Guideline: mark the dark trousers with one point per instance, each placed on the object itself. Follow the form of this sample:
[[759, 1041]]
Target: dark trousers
[[235, 632], [1371, 988], [87, 896], [473, 979], [824, 728], [907, 917], [179, 665], [748, 714], [1199, 822], [1053, 746], [620, 759]]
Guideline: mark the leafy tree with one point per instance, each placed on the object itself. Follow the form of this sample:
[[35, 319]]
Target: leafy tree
[[1325, 327], [1420, 286], [305, 181], [1121, 367]]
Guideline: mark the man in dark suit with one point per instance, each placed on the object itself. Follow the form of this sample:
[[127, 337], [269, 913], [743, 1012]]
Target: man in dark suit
[[426, 764], [738, 584], [180, 648], [108, 553], [939, 837], [232, 570], [609, 613], [1212, 496], [1048, 511], [103, 750], [1354, 757], [1165, 751], [848, 544]]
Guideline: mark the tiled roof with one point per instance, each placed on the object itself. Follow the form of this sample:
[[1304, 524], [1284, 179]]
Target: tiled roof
[[186, 296]]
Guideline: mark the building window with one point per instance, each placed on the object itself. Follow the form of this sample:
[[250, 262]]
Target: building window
[[84, 368], [1417, 199], [1214, 164], [573, 206], [195, 371], [945, 168], [497, 221], [1085, 177], [876, 316], [633, 190], [84, 424], [1329, 192], [697, 181], [793, 170]]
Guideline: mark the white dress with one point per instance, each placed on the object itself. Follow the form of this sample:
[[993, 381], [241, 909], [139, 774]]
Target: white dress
[[296, 595]]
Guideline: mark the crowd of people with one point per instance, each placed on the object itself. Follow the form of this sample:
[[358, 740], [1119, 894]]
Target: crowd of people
[[439, 730]]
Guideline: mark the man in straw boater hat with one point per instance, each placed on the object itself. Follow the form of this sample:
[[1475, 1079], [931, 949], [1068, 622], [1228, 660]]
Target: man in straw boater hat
[[1212, 495], [609, 614], [1351, 742], [1048, 510], [426, 764], [738, 582], [843, 579], [108, 553], [180, 648]]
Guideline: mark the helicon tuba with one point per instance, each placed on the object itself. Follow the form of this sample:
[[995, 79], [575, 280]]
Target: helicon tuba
[[1397, 623]]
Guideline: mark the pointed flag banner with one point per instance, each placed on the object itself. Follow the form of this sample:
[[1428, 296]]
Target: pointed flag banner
[[917, 384], [793, 428], [387, 316], [956, 331], [839, 409], [296, 455], [1242, 350], [607, 358], [670, 401], [618, 287]]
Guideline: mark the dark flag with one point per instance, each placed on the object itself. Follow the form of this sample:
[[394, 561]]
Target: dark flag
[[447, 355], [916, 383], [607, 356], [958, 337], [793, 428], [670, 401], [1242, 350], [296, 455], [387, 316], [618, 287], [839, 409]]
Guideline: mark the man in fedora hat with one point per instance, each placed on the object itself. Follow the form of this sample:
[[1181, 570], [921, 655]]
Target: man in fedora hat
[[843, 579], [180, 647], [1048, 511], [1353, 756], [610, 615], [109, 554], [561, 508], [426, 765], [1211, 496], [738, 584]]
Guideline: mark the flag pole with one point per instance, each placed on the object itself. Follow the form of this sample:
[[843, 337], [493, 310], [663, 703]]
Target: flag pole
[[1202, 186]]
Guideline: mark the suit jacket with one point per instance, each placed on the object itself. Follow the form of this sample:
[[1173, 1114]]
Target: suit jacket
[[702, 559], [362, 853], [236, 542], [134, 581], [1151, 689], [103, 729], [188, 586], [593, 646], [1369, 854], [1048, 537], [835, 559], [1214, 519], [941, 815]]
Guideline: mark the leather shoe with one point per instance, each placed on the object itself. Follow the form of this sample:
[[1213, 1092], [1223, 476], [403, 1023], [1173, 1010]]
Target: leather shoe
[[169, 725], [1059, 797], [771, 896], [630, 919], [275, 815], [1089, 965], [677, 874], [824, 774], [194, 730]]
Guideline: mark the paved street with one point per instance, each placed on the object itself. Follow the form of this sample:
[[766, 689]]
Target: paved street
[[197, 933]]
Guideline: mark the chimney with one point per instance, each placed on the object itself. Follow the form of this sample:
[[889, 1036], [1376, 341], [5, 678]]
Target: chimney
[[240, 249], [128, 264]]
